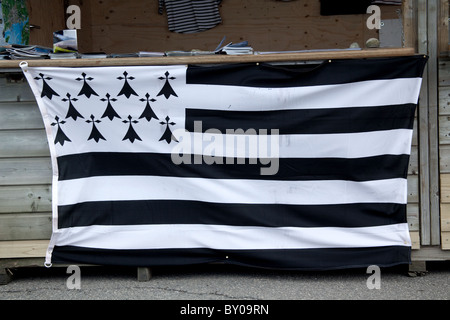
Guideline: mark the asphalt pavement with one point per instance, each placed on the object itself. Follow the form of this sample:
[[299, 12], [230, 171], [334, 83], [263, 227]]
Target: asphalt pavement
[[226, 282]]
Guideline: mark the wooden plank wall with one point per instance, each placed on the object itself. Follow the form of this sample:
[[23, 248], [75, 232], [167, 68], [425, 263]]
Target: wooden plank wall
[[444, 122], [25, 172]]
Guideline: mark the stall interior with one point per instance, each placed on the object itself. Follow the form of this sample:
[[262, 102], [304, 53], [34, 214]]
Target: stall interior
[[115, 26]]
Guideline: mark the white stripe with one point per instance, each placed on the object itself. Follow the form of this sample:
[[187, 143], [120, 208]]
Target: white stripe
[[347, 145], [189, 236], [343, 145], [110, 188], [358, 94]]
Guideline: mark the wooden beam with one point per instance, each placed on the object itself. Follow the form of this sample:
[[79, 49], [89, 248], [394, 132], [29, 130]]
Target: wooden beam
[[433, 9], [216, 58], [424, 189], [409, 23], [430, 253], [443, 28]]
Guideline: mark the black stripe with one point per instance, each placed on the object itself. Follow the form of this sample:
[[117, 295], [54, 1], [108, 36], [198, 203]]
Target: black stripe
[[294, 259], [310, 121], [153, 164], [236, 214], [265, 75]]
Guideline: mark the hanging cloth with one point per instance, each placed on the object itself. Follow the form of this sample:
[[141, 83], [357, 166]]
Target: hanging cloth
[[190, 16]]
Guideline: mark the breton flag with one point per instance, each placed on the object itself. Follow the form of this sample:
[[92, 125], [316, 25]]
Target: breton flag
[[293, 166]]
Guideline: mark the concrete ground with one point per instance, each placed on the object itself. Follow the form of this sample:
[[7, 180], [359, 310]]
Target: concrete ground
[[226, 282]]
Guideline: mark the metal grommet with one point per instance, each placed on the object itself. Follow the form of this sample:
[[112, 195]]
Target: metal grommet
[[23, 65]]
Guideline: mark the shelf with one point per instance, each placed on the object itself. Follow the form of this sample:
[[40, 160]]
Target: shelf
[[213, 59]]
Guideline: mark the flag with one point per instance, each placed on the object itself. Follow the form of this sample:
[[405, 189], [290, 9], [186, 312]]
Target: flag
[[290, 166]]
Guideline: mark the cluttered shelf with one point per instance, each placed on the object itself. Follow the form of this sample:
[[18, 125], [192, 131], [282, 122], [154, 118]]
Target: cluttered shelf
[[215, 58]]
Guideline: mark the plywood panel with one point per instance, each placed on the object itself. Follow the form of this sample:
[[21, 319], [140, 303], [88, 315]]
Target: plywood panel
[[268, 26], [48, 16], [134, 25]]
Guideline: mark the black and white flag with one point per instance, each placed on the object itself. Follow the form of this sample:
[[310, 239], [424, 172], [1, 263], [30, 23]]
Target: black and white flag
[[300, 166]]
